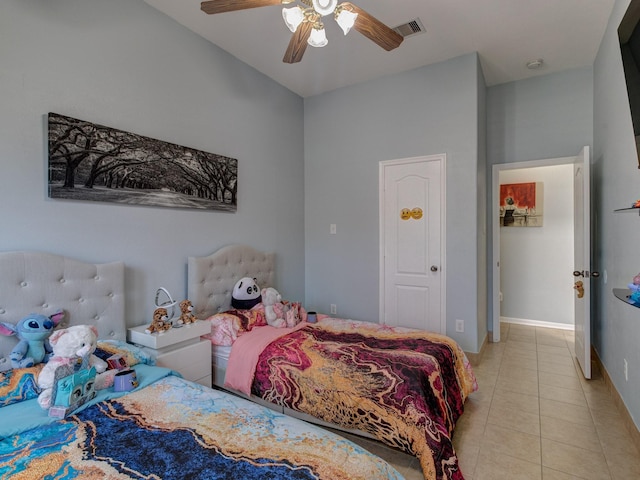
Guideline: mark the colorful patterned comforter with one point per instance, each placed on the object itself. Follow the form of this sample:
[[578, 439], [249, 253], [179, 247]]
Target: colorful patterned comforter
[[174, 429], [406, 387]]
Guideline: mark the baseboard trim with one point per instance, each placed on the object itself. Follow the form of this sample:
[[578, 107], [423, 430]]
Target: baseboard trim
[[617, 399], [475, 358], [537, 323]]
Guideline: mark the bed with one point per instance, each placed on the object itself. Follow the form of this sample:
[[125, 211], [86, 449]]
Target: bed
[[401, 386], [167, 427]]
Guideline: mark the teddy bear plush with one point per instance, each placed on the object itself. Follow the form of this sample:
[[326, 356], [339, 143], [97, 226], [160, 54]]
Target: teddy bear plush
[[186, 316], [70, 347], [160, 321], [33, 331], [273, 308]]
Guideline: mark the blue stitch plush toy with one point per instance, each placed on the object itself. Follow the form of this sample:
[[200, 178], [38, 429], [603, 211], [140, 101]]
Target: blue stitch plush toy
[[33, 331]]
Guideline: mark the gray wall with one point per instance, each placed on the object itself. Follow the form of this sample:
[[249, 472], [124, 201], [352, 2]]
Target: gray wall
[[549, 116], [123, 64], [426, 111], [617, 329]]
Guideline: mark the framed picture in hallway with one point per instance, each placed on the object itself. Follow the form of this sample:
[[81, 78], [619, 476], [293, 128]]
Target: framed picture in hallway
[[88, 161], [521, 204]]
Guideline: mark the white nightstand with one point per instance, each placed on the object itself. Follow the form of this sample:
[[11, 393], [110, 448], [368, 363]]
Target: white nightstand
[[180, 349]]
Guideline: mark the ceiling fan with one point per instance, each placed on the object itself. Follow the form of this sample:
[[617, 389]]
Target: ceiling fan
[[306, 22]]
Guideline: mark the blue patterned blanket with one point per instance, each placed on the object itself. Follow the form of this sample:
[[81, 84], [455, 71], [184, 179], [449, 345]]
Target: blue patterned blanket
[[175, 429]]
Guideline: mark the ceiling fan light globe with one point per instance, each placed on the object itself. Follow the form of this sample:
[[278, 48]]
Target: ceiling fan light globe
[[318, 38], [324, 7], [346, 19], [293, 17]]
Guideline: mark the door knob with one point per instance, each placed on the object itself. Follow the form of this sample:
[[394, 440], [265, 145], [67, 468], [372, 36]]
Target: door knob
[[434, 268], [578, 273], [595, 274]]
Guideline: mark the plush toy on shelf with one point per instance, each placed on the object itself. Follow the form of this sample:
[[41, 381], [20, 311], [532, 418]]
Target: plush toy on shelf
[[33, 331], [634, 286], [186, 317], [160, 321], [73, 349]]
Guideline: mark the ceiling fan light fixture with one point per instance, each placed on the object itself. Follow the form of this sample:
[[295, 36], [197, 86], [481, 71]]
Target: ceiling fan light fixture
[[324, 7], [318, 37], [293, 17], [345, 19]]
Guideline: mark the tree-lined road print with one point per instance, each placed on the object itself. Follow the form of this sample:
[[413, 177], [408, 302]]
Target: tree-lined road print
[[93, 162]]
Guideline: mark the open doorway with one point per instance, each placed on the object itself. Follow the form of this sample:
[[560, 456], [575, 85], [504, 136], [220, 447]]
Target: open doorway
[[534, 255]]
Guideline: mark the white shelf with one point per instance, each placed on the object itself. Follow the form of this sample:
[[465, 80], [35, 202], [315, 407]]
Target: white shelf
[[174, 336], [624, 294]]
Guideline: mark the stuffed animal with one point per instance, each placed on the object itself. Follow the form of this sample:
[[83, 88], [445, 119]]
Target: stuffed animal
[[33, 331], [273, 308], [294, 313], [70, 346], [186, 316], [160, 321], [246, 294]]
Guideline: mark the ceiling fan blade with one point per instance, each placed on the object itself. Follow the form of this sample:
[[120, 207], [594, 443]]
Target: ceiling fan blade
[[374, 29], [298, 43], [222, 6]]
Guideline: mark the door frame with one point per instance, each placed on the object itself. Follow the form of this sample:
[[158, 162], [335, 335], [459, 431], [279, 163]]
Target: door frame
[[494, 211], [442, 158]]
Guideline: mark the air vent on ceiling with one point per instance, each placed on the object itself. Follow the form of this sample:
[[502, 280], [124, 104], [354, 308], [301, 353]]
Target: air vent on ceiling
[[411, 28]]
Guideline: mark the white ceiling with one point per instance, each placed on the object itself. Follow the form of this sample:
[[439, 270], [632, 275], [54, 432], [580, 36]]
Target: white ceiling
[[505, 33]]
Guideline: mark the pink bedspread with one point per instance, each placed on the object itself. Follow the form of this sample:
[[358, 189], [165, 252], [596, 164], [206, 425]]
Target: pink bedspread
[[245, 353]]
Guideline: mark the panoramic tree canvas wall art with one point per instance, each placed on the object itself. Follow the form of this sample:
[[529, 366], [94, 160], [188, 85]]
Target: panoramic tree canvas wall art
[[93, 162]]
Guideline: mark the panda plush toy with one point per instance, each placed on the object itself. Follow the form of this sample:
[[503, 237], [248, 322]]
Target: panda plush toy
[[246, 294]]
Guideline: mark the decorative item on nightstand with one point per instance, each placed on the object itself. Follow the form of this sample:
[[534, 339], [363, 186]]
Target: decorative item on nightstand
[[169, 304], [160, 322], [163, 314], [186, 317]]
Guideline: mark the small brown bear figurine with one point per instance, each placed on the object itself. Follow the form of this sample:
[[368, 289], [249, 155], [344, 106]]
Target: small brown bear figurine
[[160, 321], [186, 316]]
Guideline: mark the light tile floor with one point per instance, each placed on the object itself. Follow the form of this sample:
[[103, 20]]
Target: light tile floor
[[534, 417]]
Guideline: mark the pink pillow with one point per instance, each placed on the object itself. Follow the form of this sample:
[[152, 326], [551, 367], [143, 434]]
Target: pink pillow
[[224, 329]]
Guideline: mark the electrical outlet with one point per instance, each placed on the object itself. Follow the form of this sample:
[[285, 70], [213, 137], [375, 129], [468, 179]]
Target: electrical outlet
[[501, 297], [626, 370], [460, 326], [334, 309], [333, 229]]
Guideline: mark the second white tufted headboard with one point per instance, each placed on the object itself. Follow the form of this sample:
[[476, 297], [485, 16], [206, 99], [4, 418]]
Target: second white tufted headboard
[[210, 279], [89, 294]]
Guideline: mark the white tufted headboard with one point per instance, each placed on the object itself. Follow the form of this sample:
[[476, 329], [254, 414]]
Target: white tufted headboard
[[210, 279], [89, 294]]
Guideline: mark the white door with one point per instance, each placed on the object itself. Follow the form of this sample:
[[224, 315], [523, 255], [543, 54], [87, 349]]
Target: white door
[[412, 277], [582, 260]]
